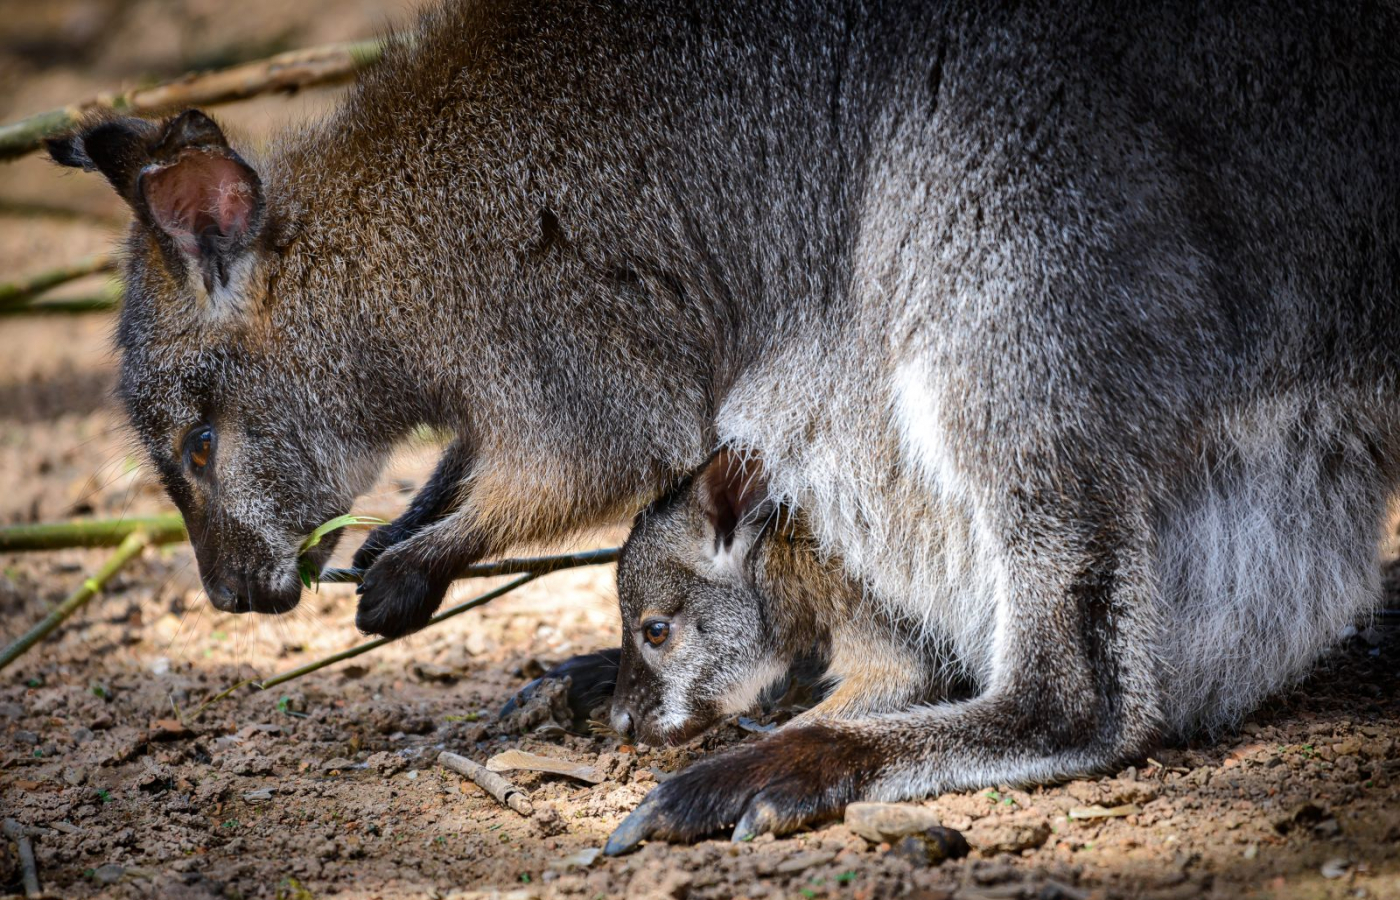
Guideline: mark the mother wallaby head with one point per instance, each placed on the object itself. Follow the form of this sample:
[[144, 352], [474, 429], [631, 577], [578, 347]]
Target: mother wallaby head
[[244, 431]]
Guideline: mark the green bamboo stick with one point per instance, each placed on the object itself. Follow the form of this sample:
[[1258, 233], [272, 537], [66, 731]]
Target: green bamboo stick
[[167, 529], [13, 294], [68, 306], [284, 72], [129, 548]]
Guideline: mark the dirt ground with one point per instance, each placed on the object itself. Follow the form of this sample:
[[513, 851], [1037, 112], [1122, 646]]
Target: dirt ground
[[328, 786]]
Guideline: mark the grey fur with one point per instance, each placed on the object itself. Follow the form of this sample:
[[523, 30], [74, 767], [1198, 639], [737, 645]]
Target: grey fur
[[1062, 321]]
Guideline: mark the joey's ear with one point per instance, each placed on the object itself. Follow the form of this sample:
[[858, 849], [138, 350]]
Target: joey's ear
[[182, 179], [730, 488]]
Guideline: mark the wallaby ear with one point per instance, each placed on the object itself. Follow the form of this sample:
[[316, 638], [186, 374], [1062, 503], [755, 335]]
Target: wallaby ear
[[202, 195], [118, 148], [181, 178], [730, 486]]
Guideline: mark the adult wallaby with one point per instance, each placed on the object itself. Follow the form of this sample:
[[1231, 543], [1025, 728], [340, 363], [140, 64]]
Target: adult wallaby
[[1065, 319]]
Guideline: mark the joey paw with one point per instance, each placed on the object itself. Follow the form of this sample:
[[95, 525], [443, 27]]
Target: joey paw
[[797, 777], [398, 595], [592, 680]]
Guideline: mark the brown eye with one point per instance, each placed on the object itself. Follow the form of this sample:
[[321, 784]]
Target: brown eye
[[197, 448], [656, 632]]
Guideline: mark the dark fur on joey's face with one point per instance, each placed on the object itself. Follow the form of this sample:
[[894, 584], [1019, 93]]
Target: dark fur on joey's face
[[686, 576]]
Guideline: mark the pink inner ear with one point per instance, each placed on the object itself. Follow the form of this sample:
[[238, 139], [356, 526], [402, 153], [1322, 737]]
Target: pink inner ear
[[200, 191]]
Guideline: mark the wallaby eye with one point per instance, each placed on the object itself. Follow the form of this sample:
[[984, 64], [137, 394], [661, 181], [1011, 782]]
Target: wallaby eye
[[199, 443], [656, 631]]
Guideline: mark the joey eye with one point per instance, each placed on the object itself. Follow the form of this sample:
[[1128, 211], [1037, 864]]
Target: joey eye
[[199, 443], [656, 632]]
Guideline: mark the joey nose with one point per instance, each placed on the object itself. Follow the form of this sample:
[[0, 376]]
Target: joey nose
[[622, 722]]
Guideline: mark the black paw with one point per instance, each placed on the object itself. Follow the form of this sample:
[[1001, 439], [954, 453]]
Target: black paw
[[398, 596], [796, 777], [379, 540], [593, 679]]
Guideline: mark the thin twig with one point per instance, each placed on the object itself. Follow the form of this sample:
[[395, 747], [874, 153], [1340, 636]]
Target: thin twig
[[539, 565], [29, 869], [359, 649], [488, 781], [14, 294], [130, 548], [283, 72], [166, 529], [446, 614]]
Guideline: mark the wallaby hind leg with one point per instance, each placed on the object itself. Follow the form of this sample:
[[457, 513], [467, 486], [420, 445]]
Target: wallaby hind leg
[[1073, 690], [438, 498]]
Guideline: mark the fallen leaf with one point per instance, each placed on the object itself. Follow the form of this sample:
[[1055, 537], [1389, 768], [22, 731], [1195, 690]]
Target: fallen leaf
[[519, 760]]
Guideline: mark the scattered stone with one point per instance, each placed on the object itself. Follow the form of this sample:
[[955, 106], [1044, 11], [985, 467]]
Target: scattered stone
[[804, 861], [11, 711], [888, 822], [26, 737], [548, 821], [246, 764], [337, 764], [108, 873], [931, 847], [1336, 868], [385, 763], [580, 860], [1009, 834], [435, 674], [1101, 812], [261, 795]]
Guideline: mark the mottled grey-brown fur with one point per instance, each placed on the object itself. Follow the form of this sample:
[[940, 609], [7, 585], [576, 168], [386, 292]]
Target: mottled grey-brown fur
[[1058, 323]]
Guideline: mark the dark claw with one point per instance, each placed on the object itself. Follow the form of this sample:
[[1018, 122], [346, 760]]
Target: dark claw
[[637, 827]]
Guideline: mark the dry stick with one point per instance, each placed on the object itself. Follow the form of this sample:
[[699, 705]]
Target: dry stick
[[539, 565], [356, 650], [283, 72], [457, 610], [14, 294], [166, 529], [130, 548], [488, 781], [28, 867]]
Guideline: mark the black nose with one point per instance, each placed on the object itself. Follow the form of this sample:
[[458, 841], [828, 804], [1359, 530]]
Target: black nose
[[242, 594], [225, 597]]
